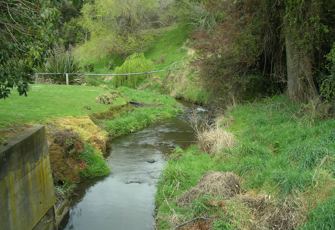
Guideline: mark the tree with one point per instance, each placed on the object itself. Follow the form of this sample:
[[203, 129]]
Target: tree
[[26, 33], [302, 20], [116, 28]]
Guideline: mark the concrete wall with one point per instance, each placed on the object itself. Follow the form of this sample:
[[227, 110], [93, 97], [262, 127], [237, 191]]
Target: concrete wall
[[26, 185]]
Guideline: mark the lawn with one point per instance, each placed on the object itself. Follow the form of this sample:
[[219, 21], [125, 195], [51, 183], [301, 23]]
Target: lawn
[[45, 102]]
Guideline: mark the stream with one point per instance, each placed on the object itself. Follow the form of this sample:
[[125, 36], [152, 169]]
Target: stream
[[125, 200]]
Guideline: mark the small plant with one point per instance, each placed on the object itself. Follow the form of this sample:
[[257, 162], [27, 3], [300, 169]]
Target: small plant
[[61, 61], [135, 63]]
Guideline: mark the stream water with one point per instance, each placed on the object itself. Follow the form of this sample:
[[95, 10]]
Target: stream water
[[125, 200]]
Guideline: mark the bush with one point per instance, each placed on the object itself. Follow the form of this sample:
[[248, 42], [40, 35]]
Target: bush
[[60, 61], [135, 63]]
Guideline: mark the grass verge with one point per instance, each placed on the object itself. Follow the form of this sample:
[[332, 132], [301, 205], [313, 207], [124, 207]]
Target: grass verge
[[281, 151]]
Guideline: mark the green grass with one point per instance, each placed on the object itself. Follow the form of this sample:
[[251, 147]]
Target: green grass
[[281, 151], [157, 107], [322, 217], [96, 166], [168, 47], [45, 102]]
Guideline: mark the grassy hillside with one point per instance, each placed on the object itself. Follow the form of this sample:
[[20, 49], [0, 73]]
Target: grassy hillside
[[281, 150], [168, 47]]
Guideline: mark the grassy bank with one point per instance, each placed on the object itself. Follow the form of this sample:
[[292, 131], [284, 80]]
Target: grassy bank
[[152, 107], [282, 152]]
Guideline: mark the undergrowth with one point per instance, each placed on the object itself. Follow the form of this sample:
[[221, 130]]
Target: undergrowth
[[281, 151]]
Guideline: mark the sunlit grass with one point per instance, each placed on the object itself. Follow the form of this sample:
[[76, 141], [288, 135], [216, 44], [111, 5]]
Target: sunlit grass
[[45, 102]]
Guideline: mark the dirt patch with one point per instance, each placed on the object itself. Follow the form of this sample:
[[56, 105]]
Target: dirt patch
[[64, 169], [108, 98], [196, 224], [112, 112], [65, 147], [219, 184]]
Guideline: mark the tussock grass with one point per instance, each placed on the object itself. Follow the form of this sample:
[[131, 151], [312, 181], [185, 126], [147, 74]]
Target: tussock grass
[[215, 140]]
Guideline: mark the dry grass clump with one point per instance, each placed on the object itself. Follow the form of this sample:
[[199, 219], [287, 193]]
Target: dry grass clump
[[212, 138], [257, 203], [273, 214], [108, 98], [283, 216], [219, 184], [215, 140]]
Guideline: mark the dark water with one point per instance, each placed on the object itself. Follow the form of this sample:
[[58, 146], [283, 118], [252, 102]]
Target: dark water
[[125, 199]]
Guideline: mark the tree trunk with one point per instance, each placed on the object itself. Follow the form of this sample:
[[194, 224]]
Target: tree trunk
[[300, 84]]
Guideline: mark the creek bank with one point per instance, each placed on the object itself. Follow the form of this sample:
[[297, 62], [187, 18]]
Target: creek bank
[[283, 157]]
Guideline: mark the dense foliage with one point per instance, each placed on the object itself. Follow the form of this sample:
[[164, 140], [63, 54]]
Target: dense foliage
[[117, 27], [283, 42], [135, 63], [26, 33]]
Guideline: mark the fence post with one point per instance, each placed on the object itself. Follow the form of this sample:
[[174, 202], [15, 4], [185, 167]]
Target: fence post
[[36, 77], [67, 78]]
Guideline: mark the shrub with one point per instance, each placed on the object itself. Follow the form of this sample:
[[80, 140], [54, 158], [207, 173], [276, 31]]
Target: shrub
[[60, 61], [135, 63]]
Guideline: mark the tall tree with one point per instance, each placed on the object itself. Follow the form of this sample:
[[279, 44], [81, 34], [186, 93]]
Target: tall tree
[[301, 24]]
